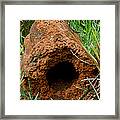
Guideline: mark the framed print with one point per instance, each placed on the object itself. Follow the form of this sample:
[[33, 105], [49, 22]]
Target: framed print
[[60, 59]]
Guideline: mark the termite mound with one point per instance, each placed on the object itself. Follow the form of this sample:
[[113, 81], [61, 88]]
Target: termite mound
[[55, 62]]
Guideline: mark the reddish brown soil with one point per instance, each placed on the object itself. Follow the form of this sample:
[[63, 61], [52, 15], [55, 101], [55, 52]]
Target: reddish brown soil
[[51, 67]]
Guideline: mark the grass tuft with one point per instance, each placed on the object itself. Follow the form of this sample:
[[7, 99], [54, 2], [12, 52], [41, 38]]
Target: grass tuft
[[89, 32]]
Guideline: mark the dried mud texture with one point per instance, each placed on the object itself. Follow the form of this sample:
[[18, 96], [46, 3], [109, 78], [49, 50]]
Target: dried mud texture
[[55, 63]]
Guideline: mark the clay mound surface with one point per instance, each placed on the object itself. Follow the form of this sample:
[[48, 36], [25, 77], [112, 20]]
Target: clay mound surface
[[55, 63]]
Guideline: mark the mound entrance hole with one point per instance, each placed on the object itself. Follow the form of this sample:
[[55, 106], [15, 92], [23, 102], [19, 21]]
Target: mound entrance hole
[[61, 75]]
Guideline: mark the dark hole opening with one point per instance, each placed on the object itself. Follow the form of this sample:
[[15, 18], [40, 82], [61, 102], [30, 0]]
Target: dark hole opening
[[61, 75]]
